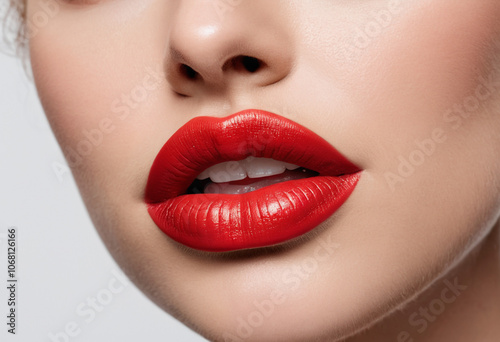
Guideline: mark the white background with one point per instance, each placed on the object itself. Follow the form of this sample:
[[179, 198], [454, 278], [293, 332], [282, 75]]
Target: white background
[[61, 261]]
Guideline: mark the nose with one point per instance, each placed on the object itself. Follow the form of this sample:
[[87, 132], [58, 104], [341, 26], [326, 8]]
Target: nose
[[211, 48]]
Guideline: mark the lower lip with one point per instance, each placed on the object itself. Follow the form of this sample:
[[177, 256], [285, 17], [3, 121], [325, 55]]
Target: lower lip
[[268, 216]]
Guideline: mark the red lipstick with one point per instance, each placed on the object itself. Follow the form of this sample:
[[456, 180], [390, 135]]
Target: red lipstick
[[267, 216]]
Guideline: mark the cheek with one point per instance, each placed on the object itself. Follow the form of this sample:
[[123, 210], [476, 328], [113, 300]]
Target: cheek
[[69, 78], [432, 56], [396, 90], [98, 75], [421, 76], [436, 70], [391, 73]]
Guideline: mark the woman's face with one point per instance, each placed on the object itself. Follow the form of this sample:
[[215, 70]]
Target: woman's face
[[409, 91]]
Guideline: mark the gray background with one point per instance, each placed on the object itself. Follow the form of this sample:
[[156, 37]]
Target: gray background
[[61, 261]]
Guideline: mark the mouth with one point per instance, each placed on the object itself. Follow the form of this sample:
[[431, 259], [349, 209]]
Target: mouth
[[252, 179]]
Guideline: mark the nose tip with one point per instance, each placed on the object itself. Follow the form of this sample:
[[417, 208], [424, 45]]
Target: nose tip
[[207, 52]]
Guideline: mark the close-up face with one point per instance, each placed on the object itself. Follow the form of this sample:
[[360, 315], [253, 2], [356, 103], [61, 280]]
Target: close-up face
[[388, 108]]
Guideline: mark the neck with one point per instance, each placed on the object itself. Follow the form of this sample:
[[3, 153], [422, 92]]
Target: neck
[[463, 306]]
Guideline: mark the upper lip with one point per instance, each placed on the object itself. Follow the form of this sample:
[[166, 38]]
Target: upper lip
[[205, 141]]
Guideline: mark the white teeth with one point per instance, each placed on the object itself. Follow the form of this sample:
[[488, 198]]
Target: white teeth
[[291, 166], [264, 167], [226, 172], [228, 188], [252, 167]]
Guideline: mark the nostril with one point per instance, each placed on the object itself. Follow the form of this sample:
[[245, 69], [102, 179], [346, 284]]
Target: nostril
[[244, 63], [189, 72], [250, 64]]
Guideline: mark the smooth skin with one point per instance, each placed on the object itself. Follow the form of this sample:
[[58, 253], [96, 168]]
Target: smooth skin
[[407, 90]]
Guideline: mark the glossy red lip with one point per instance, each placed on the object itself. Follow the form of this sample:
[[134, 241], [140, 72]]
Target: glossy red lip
[[267, 216]]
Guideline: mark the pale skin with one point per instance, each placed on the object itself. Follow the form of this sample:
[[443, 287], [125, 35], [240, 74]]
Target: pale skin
[[412, 96]]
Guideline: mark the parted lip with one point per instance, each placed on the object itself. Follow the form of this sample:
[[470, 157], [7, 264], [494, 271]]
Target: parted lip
[[218, 222]]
